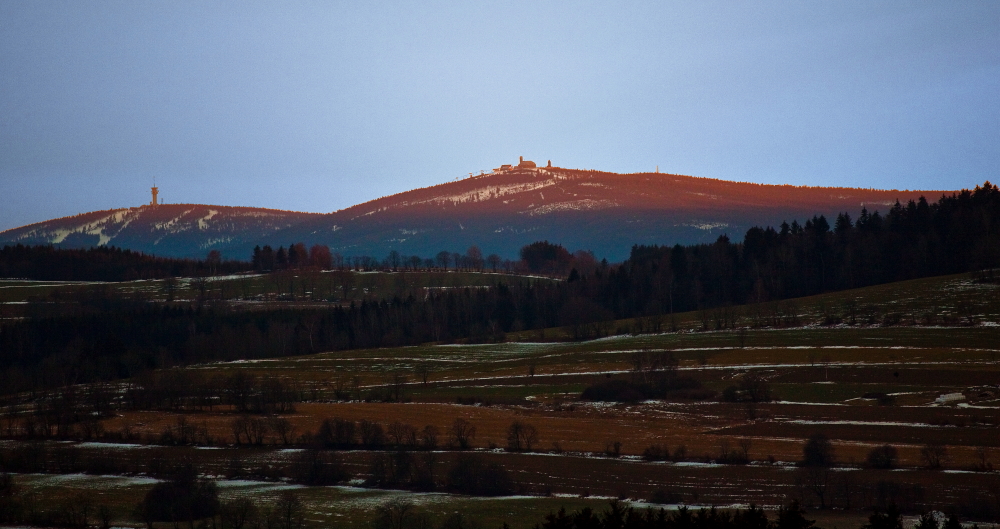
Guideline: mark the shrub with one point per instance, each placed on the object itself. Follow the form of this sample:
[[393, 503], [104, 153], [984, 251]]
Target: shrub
[[888, 519], [317, 468], [817, 452], [399, 514], [472, 475], [336, 433], [183, 498], [656, 453], [793, 517], [882, 457]]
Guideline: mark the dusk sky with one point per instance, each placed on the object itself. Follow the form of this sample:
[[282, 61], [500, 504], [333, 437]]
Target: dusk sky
[[317, 106]]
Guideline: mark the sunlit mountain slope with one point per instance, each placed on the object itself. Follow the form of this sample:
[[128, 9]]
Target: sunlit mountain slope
[[603, 212], [499, 212], [185, 230]]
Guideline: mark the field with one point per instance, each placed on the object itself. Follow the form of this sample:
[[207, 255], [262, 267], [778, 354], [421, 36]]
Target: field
[[302, 286], [911, 365]]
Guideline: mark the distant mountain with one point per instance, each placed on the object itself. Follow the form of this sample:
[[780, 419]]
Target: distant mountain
[[599, 211], [178, 230], [499, 212]]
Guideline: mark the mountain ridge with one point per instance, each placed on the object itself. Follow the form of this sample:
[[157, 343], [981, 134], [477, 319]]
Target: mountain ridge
[[500, 212], [175, 230]]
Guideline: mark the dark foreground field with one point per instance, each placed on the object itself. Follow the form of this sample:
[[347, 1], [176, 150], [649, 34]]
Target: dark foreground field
[[908, 401]]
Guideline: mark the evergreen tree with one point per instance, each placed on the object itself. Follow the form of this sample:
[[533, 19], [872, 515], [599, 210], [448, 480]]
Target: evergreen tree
[[793, 517]]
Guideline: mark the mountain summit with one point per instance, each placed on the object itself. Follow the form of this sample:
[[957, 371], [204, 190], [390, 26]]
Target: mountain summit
[[499, 211]]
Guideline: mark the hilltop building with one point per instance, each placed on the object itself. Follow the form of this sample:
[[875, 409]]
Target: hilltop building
[[156, 191], [521, 164]]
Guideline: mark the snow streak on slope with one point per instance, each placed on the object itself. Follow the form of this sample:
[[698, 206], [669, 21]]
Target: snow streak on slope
[[575, 205], [499, 212], [175, 229], [601, 211], [489, 193]]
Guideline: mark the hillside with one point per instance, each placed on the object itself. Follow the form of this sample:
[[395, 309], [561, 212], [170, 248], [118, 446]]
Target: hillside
[[177, 230], [599, 211], [500, 212]]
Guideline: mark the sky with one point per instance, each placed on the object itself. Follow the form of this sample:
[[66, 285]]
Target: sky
[[317, 106]]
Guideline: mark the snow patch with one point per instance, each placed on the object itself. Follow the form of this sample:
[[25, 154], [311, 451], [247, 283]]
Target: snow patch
[[949, 398], [707, 226], [203, 222], [574, 205]]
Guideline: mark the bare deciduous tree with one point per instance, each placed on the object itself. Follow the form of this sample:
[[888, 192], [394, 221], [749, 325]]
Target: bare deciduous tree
[[521, 436], [462, 433], [933, 454], [283, 428], [402, 434], [429, 437]]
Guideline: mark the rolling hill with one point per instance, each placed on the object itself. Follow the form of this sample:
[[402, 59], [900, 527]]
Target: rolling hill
[[500, 212], [600, 211], [177, 230]]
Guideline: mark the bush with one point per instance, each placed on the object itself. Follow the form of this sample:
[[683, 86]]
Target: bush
[[793, 517], [400, 514], [471, 475], [817, 452], [889, 519], [882, 457], [656, 453], [183, 498], [317, 468], [336, 433]]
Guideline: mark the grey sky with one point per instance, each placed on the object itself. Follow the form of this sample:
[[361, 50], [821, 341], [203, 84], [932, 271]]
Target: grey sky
[[317, 106]]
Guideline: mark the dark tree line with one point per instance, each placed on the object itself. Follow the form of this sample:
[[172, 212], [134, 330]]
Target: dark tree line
[[619, 516], [792, 516], [297, 256], [48, 263], [127, 339], [959, 233]]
